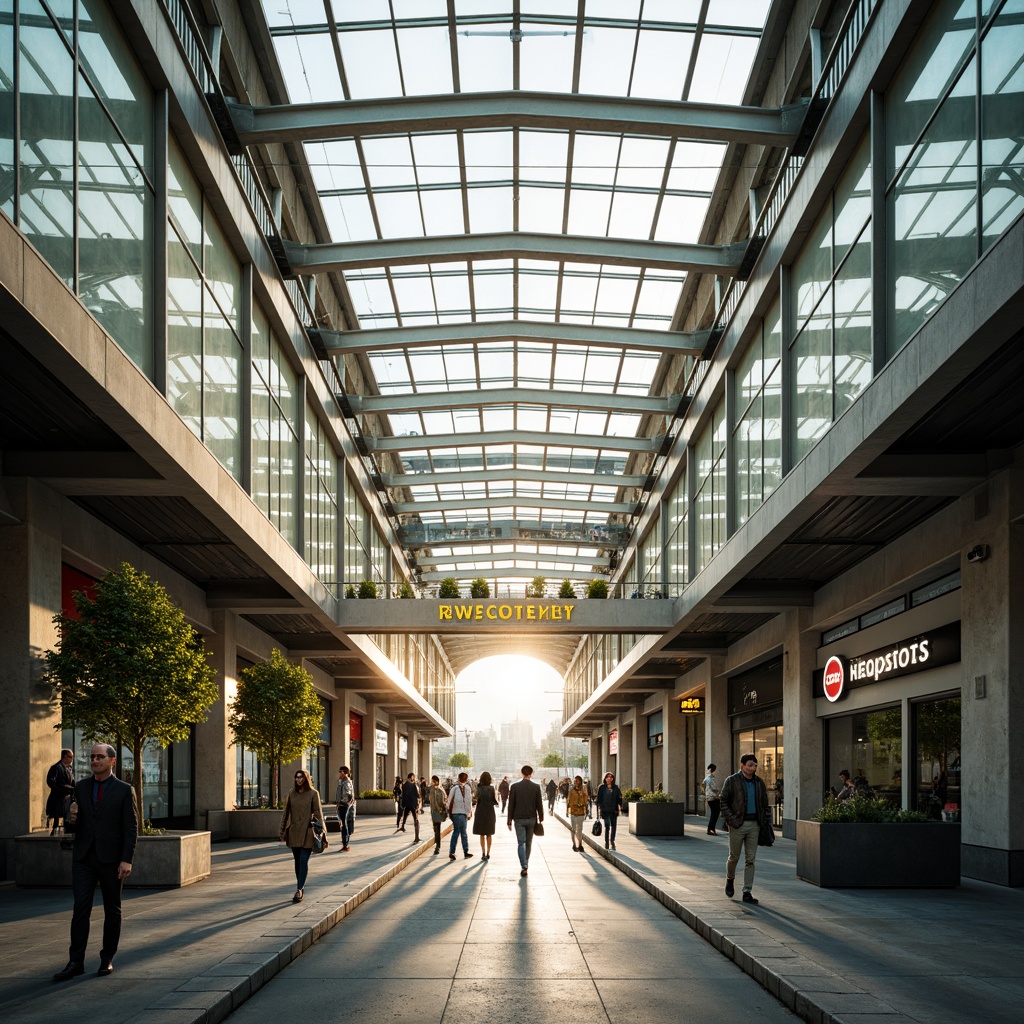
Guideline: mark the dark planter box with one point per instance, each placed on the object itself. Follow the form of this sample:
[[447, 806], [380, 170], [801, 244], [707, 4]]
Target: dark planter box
[[656, 819], [871, 855]]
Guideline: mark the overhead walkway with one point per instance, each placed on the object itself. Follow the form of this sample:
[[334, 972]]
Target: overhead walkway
[[614, 937]]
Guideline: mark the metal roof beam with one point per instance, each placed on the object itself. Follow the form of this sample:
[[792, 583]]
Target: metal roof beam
[[540, 438], [723, 260], [426, 335], [483, 476], [348, 119], [604, 402], [519, 500], [509, 572]]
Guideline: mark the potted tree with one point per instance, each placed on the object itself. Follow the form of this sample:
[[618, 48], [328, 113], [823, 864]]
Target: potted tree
[[567, 591], [405, 591], [865, 842], [656, 814], [368, 590], [536, 587], [449, 588], [277, 715], [479, 588], [597, 589], [130, 669]]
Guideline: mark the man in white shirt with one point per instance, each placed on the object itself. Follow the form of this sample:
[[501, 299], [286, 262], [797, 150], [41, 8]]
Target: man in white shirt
[[460, 807]]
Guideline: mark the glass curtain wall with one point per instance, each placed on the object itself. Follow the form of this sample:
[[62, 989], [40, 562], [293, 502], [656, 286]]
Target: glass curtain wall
[[765, 743], [831, 280], [677, 552], [321, 501], [204, 319], [869, 745], [757, 435], [709, 500], [87, 202], [935, 728], [954, 154]]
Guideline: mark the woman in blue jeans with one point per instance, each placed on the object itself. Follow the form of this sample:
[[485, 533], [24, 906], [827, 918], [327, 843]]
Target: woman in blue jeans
[[609, 806], [300, 808]]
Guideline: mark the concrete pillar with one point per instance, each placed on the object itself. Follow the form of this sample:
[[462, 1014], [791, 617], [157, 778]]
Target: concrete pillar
[[596, 757], [393, 767], [215, 785], [673, 753], [641, 754], [802, 735], [717, 734], [367, 756], [992, 705], [30, 595], [340, 734], [625, 761]]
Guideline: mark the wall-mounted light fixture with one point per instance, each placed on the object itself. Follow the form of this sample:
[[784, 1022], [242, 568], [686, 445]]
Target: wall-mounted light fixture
[[978, 553]]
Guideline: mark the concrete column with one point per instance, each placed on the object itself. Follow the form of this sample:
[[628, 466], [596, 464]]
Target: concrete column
[[30, 595], [393, 767], [367, 757], [596, 756], [992, 705], [641, 755], [673, 753], [625, 760], [717, 734], [214, 756], [340, 734], [802, 732]]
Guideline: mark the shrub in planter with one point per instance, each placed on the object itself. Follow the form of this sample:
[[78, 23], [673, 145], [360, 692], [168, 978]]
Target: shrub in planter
[[350, 591], [449, 587], [597, 589], [405, 591], [566, 591], [376, 794], [368, 590], [657, 797], [536, 587], [631, 796], [864, 809], [479, 588]]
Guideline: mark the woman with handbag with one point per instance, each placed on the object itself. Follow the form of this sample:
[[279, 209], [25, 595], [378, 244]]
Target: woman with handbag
[[300, 809], [577, 800], [437, 800], [609, 805], [484, 821]]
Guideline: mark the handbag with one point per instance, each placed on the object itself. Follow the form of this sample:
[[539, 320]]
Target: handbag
[[765, 835], [538, 829], [596, 830], [320, 842]]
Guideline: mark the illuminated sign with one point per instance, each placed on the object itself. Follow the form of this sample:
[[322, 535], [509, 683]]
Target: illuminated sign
[[508, 612], [403, 747], [915, 654], [613, 742], [691, 705], [380, 741]]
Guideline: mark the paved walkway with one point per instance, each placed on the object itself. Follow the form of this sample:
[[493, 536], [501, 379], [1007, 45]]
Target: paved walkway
[[577, 939]]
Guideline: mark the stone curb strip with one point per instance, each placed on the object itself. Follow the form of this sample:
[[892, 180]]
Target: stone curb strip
[[211, 996]]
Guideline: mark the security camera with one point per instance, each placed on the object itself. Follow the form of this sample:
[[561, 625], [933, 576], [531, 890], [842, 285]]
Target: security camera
[[978, 553]]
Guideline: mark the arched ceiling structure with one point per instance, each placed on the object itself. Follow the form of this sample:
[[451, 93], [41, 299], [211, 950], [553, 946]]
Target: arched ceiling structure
[[514, 201]]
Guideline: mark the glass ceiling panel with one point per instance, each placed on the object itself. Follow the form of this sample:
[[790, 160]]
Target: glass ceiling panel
[[497, 180]]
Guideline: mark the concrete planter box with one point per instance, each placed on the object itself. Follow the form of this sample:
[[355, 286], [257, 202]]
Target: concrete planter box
[[656, 819], [872, 855], [255, 823], [376, 805], [161, 862]]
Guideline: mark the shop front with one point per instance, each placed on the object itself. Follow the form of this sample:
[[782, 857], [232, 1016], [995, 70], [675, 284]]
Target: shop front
[[892, 716], [755, 716]]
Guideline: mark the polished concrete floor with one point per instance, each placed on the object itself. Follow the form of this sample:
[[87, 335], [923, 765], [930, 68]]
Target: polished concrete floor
[[472, 941]]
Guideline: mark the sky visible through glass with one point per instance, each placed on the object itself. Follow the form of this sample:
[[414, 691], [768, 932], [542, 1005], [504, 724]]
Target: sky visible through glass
[[494, 179]]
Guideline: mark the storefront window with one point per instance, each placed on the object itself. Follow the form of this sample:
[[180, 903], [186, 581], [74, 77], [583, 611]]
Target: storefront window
[[869, 745], [766, 745], [936, 733], [252, 788]]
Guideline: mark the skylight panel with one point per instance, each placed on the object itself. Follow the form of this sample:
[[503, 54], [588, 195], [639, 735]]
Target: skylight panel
[[642, 162], [371, 63], [371, 298], [452, 291], [623, 425], [638, 370], [496, 417], [537, 292], [540, 209], [680, 219], [405, 425], [683, 12], [661, 62], [722, 68], [427, 364], [390, 370], [695, 166], [460, 364], [658, 297], [334, 164], [496, 364], [607, 60], [485, 61], [398, 214], [632, 215], [414, 294], [594, 159], [490, 209], [578, 292], [369, 10], [349, 218], [750, 13], [603, 366], [309, 68], [437, 158], [493, 291], [543, 155], [570, 364], [532, 418], [588, 212], [534, 364], [615, 295], [425, 57], [545, 60], [389, 162]]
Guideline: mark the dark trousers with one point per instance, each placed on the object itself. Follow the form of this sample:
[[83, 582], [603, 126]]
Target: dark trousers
[[85, 874], [714, 809], [437, 834], [301, 855], [347, 818], [415, 819], [611, 822]]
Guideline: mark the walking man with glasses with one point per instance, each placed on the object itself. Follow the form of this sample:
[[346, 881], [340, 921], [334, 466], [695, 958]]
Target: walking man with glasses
[[745, 808]]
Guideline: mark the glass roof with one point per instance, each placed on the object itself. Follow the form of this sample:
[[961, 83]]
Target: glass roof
[[520, 452]]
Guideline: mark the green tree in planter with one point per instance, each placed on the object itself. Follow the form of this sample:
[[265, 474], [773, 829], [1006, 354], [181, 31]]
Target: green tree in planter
[[276, 713], [405, 591], [460, 760], [552, 760], [597, 589], [479, 588], [449, 587], [368, 590], [130, 667], [350, 591], [536, 587], [566, 591]]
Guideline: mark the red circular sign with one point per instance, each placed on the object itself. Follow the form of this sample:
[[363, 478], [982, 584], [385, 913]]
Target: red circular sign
[[834, 678]]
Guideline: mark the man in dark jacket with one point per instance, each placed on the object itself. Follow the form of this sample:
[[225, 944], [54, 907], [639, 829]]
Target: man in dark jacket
[[745, 808], [106, 827], [411, 804], [60, 780], [525, 809], [503, 788]]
